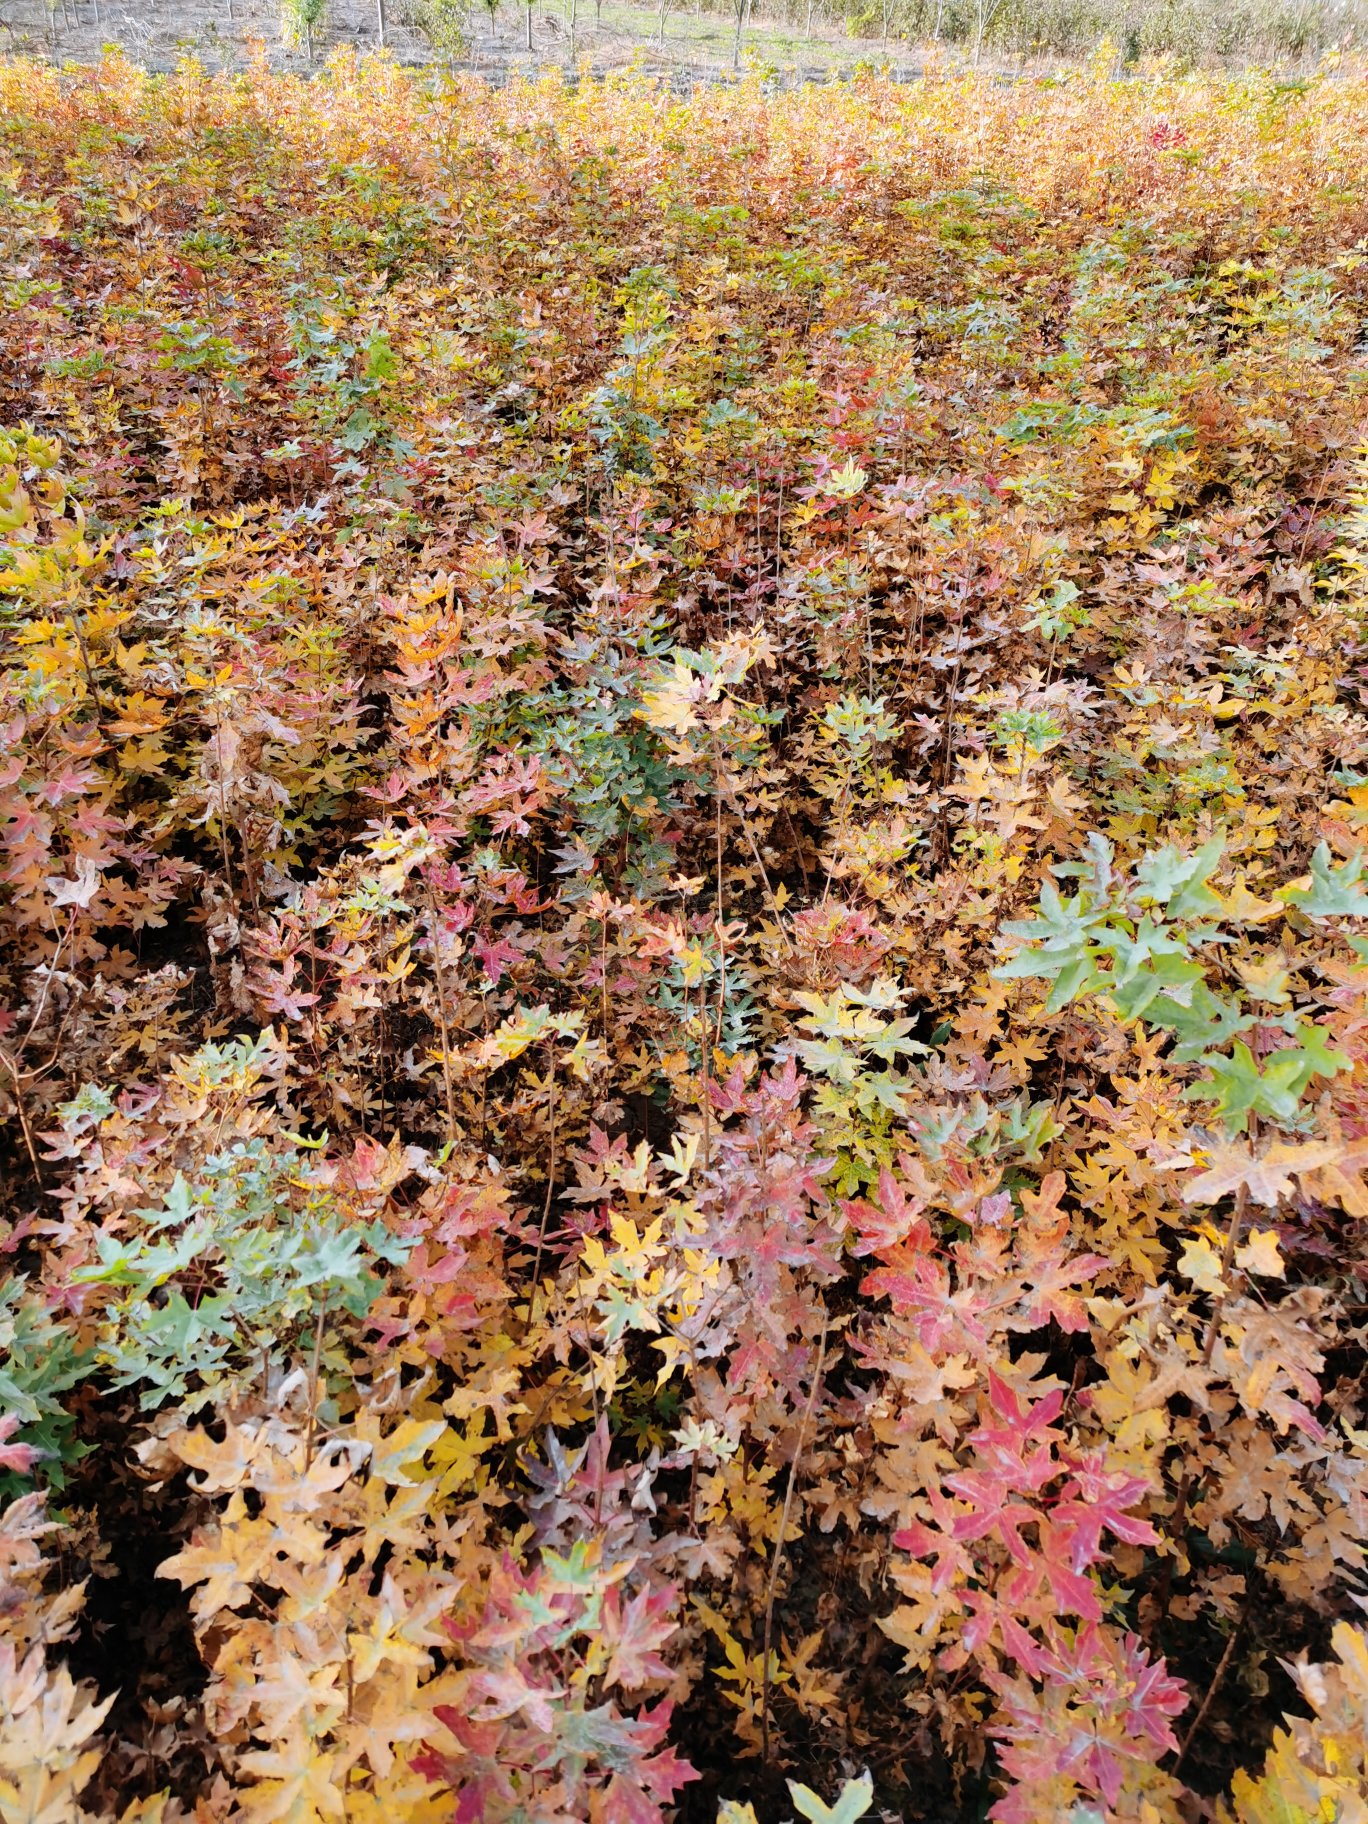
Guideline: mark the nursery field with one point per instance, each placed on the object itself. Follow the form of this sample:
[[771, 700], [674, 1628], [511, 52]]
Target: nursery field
[[683, 1045]]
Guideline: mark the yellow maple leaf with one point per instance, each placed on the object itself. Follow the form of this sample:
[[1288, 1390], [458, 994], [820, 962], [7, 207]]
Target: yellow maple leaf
[[1201, 1264], [1267, 1176], [671, 705], [1259, 1254]]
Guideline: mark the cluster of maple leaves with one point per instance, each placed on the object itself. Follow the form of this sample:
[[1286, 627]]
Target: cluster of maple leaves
[[682, 949]]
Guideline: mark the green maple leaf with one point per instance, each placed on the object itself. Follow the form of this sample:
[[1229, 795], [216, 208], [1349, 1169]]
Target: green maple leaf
[[1334, 892], [1314, 1056], [1239, 1088], [1136, 987], [1178, 882], [1200, 1021]]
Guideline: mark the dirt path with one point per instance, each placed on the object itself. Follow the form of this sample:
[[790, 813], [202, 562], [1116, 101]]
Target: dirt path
[[156, 33]]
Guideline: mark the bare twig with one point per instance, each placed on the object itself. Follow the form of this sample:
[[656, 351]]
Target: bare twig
[[1237, 1222], [546, 1206], [778, 1558], [442, 1017], [11, 1065], [1222, 1666], [314, 1367]]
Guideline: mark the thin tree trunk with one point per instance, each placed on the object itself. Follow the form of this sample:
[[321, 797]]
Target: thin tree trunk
[[380, 19], [809, 21], [743, 8], [529, 24]]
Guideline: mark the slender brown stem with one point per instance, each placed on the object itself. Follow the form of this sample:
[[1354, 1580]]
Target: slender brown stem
[[484, 1079], [442, 1017], [603, 977], [764, 875], [705, 1064], [314, 1367], [778, 1558], [12, 1067], [11, 1060], [721, 923], [1222, 1665], [546, 1206], [48, 979], [1237, 1222], [223, 804], [1180, 1507], [583, 1303], [1176, 1522], [75, 626]]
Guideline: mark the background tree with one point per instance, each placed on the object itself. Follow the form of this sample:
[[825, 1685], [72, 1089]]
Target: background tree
[[299, 21], [443, 24], [985, 11], [742, 9]]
